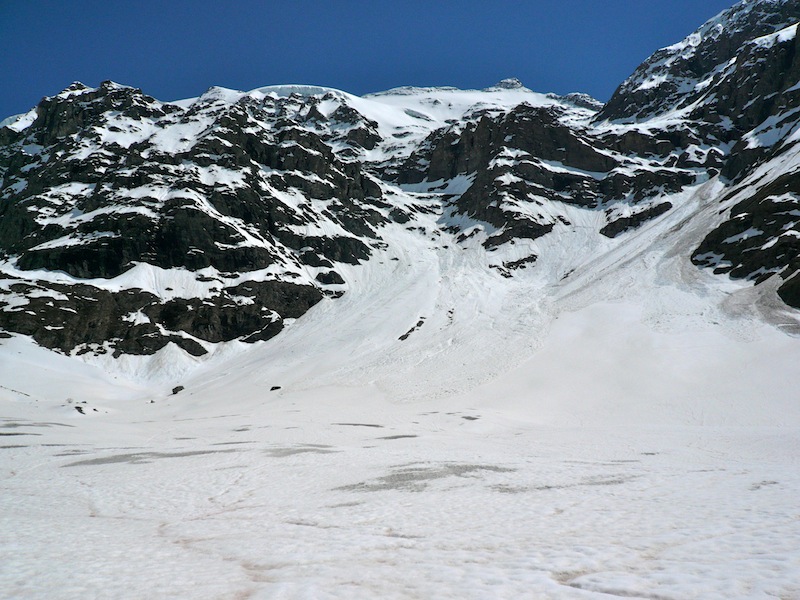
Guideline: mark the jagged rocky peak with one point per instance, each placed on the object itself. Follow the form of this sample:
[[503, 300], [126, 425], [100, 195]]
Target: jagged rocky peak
[[80, 106], [512, 83], [76, 86], [678, 75]]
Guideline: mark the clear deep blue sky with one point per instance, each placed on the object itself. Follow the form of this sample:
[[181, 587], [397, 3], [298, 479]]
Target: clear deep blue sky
[[178, 48]]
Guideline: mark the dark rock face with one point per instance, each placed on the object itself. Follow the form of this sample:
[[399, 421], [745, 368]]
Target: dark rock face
[[762, 236], [789, 292], [231, 223], [75, 202], [533, 130], [133, 321], [622, 224], [734, 83], [524, 160]]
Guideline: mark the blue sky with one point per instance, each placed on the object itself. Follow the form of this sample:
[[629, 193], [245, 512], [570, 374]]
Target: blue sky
[[178, 48]]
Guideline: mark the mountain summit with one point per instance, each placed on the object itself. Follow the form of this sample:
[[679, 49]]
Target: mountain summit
[[693, 70]]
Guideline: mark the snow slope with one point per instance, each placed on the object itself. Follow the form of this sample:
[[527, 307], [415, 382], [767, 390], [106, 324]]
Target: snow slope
[[629, 432], [579, 414]]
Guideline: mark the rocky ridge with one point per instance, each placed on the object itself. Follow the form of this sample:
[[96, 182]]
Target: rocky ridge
[[127, 223]]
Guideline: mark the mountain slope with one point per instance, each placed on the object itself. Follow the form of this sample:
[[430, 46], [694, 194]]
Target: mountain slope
[[428, 343], [735, 80], [130, 226]]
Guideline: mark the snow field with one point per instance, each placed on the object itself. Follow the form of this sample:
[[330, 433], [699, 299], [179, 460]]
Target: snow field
[[281, 501], [611, 435]]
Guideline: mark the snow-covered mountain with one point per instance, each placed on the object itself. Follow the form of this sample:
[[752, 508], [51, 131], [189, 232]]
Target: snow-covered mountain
[[425, 343], [131, 226]]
